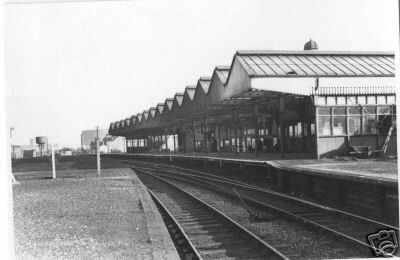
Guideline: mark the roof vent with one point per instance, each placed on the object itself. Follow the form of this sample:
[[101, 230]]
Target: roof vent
[[311, 45]]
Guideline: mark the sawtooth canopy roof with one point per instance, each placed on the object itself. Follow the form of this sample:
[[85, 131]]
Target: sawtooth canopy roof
[[179, 98], [204, 83], [316, 63], [168, 103], [190, 91], [146, 114], [152, 112], [139, 117], [133, 119], [160, 108], [222, 72]]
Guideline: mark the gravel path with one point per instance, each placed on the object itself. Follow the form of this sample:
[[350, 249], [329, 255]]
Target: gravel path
[[80, 218]]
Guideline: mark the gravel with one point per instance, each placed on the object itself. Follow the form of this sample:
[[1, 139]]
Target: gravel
[[293, 238], [80, 218]]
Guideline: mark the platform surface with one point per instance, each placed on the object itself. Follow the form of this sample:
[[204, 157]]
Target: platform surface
[[361, 170], [82, 216]]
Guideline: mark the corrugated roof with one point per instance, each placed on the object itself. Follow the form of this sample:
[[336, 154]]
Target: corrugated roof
[[190, 90], [316, 63]]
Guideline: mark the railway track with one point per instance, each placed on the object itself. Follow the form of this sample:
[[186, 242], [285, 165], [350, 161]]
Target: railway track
[[343, 225], [211, 233]]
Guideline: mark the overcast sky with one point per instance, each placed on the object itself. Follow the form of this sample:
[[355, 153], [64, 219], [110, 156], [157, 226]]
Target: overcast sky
[[72, 66]]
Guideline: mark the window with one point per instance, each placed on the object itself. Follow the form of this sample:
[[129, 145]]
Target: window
[[381, 100], [384, 119], [290, 131], [324, 121], [369, 120], [312, 129], [339, 121], [371, 100], [341, 100], [320, 100], [354, 121], [331, 101], [361, 100], [251, 131], [351, 100], [391, 100], [299, 129]]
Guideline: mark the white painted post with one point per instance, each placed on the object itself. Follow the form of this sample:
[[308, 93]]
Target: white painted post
[[53, 162]]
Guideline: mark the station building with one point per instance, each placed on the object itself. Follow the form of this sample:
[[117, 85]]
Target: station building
[[310, 102]]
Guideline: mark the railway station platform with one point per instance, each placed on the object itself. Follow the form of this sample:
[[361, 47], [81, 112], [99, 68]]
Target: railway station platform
[[362, 186], [360, 170], [81, 215]]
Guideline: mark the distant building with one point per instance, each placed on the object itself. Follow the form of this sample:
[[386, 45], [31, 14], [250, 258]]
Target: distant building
[[65, 151], [24, 151], [113, 144], [88, 138]]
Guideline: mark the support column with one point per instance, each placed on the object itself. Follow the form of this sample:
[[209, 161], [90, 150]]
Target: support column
[[194, 136], [206, 133], [281, 126], [257, 136], [235, 131], [316, 135]]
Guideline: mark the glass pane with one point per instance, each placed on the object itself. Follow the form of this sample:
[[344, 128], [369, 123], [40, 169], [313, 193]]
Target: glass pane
[[371, 100], [339, 111], [290, 131], [351, 100], [369, 124], [341, 100], [391, 100], [381, 100], [299, 129], [385, 110], [324, 111], [331, 100], [362, 100], [312, 129], [384, 123], [354, 111], [369, 110], [354, 125], [320, 100], [324, 125], [339, 125]]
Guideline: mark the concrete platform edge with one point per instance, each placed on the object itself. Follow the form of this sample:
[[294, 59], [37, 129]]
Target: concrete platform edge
[[157, 230]]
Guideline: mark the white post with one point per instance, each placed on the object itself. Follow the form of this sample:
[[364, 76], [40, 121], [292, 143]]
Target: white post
[[53, 162]]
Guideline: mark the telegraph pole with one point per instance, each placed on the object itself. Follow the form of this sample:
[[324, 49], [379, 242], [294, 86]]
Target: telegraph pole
[[98, 152]]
